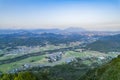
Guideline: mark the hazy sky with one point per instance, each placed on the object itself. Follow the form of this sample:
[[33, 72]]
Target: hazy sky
[[88, 14]]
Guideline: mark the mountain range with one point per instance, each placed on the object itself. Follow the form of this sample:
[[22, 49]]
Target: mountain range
[[69, 30]]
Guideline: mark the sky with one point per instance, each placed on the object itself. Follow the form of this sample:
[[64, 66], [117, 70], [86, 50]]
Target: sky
[[36, 14]]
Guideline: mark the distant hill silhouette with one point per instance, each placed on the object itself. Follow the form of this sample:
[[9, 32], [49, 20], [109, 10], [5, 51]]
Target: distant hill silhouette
[[74, 29], [54, 30]]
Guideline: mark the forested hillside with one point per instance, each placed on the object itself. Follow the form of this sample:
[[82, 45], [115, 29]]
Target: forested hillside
[[109, 71], [106, 44]]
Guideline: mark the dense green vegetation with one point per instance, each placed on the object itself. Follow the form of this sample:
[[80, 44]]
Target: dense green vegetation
[[29, 76], [109, 71], [19, 76]]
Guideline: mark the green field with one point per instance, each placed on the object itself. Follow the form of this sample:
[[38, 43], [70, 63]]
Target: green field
[[41, 60], [10, 66]]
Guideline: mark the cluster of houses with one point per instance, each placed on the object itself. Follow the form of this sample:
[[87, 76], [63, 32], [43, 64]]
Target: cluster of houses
[[23, 50], [23, 67], [54, 57]]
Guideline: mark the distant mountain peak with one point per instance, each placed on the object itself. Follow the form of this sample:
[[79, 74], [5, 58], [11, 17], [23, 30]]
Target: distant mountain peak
[[74, 29]]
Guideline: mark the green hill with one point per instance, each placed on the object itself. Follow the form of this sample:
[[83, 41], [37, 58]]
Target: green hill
[[106, 44], [109, 71]]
